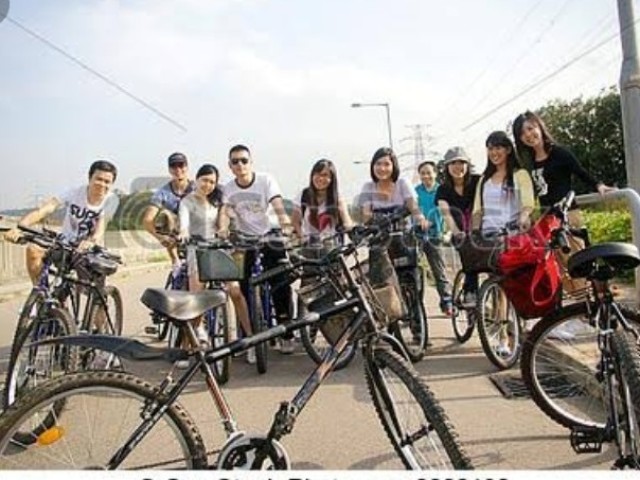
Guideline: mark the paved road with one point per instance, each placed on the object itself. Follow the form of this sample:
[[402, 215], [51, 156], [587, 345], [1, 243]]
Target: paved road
[[339, 429]]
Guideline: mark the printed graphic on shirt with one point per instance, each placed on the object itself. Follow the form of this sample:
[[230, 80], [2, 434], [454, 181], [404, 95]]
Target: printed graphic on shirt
[[83, 220], [538, 181]]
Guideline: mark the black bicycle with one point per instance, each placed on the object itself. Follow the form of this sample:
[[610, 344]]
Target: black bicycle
[[582, 362], [115, 420], [70, 297]]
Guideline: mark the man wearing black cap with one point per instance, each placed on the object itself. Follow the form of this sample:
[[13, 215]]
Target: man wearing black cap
[[166, 201]]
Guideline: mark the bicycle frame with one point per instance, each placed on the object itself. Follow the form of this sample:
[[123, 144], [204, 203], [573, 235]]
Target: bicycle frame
[[285, 417]]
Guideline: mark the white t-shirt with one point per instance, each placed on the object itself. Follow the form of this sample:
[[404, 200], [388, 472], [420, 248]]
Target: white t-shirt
[[197, 218], [499, 207], [80, 218], [250, 204], [326, 226], [371, 198]]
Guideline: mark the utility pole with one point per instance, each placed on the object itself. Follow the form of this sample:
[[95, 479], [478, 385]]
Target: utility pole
[[420, 153], [630, 93]]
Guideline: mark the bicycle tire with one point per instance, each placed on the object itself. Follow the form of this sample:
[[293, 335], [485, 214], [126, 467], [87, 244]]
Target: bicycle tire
[[258, 325], [219, 331], [401, 399], [412, 332], [316, 346], [560, 360], [501, 338], [30, 367], [28, 312], [162, 328], [98, 395], [115, 314], [627, 357], [462, 319]]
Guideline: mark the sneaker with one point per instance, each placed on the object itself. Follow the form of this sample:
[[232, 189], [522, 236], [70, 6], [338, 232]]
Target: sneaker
[[181, 364], [446, 307], [176, 269], [503, 350], [469, 300], [286, 346], [251, 356], [202, 335]]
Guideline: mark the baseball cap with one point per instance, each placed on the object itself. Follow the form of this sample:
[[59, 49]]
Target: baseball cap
[[454, 154], [177, 157]]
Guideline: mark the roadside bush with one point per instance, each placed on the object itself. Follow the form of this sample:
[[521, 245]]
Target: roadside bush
[[608, 226]]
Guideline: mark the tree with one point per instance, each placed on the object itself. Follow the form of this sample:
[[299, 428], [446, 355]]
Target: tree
[[592, 129]]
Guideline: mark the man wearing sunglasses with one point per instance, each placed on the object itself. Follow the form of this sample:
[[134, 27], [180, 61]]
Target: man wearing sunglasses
[[164, 205], [247, 199]]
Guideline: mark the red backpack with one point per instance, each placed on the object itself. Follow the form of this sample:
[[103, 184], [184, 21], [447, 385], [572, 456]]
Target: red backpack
[[532, 276]]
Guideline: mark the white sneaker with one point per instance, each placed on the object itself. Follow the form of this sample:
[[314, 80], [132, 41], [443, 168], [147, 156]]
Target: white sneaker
[[202, 335], [176, 268], [503, 350], [569, 330], [182, 364], [251, 356], [286, 346]]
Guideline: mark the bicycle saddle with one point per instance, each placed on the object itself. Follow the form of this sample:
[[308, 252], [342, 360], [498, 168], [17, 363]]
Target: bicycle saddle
[[181, 305], [616, 256]]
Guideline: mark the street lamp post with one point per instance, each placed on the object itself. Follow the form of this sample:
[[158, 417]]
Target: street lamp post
[[385, 105]]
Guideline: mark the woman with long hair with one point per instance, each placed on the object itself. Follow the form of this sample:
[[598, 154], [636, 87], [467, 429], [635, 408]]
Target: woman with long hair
[[198, 217], [504, 194], [319, 209]]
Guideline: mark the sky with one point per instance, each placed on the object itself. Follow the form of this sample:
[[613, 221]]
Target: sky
[[133, 81]]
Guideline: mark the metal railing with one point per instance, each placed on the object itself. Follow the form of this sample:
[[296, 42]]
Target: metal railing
[[633, 201]]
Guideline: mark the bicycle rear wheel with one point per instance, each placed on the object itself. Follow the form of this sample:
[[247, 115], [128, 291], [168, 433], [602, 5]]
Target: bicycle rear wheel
[[462, 319], [412, 418], [560, 365], [412, 331], [219, 329], [101, 411], [499, 326]]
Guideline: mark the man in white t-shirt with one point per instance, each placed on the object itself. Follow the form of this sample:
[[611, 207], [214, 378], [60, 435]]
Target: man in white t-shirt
[[85, 216], [246, 199]]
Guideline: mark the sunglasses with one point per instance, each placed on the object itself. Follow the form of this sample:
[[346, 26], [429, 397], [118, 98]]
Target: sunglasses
[[178, 165], [236, 161]]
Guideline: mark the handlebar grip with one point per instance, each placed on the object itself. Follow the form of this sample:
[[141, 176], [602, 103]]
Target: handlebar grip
[[269, 274]]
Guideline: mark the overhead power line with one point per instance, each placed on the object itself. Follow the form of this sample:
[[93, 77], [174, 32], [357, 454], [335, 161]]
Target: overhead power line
[[99, 75], [544, 79]]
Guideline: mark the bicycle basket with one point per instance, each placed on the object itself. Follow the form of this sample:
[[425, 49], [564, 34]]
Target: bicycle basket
[[479, 253], [321, 295], [383, 288], [403, 249], [215, 264], [100, 265]]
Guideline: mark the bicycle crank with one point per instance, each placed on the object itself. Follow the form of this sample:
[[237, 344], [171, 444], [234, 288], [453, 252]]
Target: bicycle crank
[[253, 452]]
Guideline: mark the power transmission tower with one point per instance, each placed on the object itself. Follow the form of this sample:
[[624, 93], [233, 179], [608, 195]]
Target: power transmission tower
[[421, 140]]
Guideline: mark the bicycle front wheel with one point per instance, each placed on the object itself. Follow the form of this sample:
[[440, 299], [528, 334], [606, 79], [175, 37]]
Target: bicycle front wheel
[[101, 411], [462, 319], [31, 365], [498, 325], [259, 324], [219, 331], [412, 418], [561, 366], [412, 331]]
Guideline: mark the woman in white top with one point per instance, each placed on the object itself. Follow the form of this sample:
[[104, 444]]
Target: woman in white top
[[319, 209], [198, 216], [387, 190], [504, 193]]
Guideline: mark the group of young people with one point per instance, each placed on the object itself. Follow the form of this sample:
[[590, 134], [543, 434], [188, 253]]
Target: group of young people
[[533, 171]]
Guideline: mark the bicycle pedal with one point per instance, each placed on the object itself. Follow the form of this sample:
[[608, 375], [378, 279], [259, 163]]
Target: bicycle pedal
[[587, 440]]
